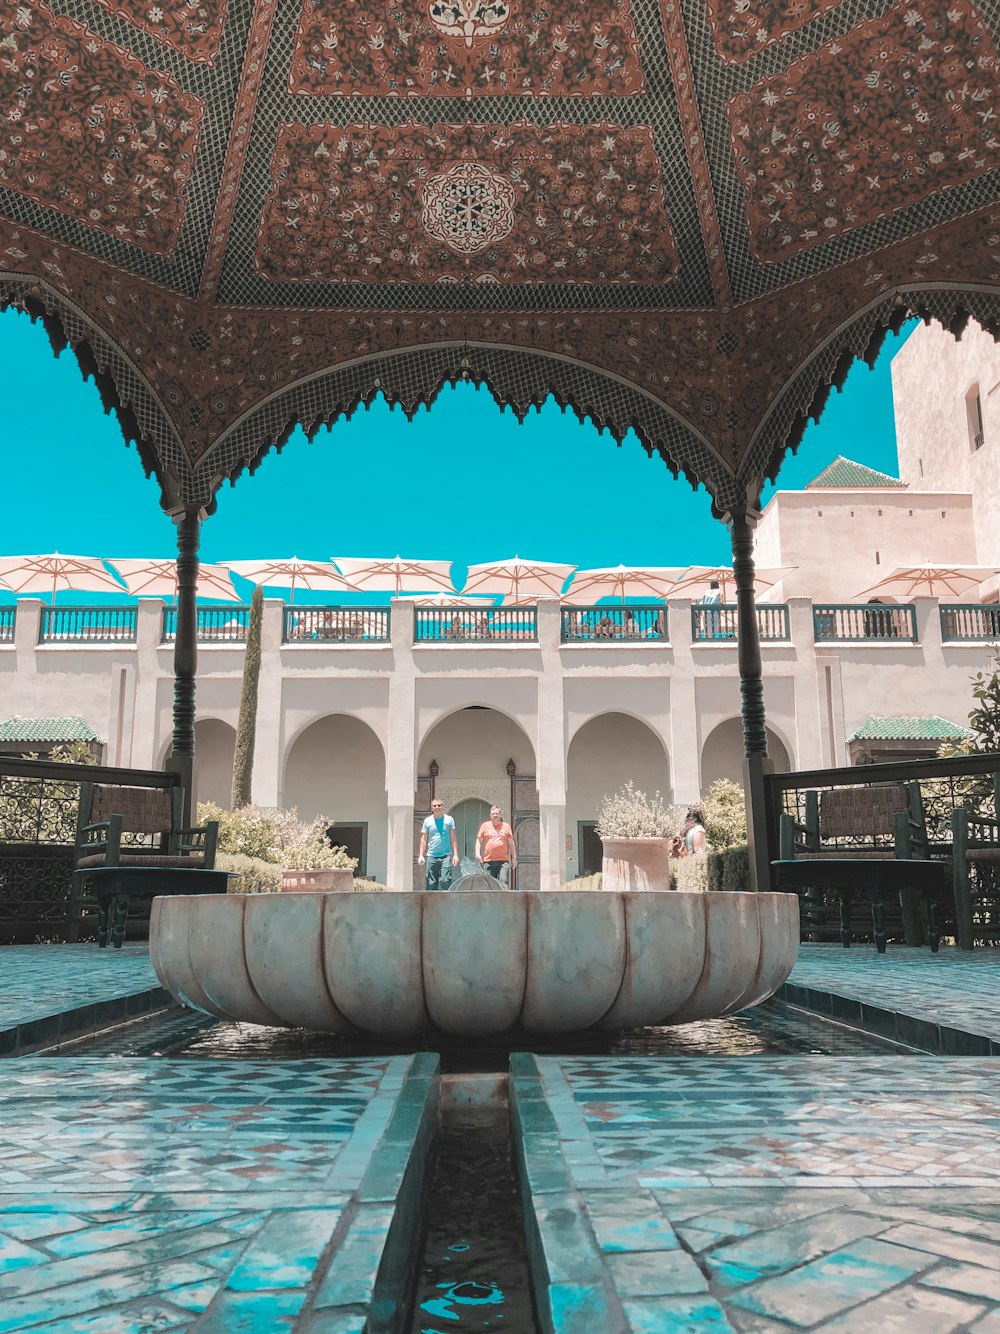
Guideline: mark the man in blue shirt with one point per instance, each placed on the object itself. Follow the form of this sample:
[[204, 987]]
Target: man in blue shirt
[[438, 847]]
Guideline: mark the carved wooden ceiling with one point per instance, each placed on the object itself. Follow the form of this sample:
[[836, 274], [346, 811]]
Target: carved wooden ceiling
[[684, 216]]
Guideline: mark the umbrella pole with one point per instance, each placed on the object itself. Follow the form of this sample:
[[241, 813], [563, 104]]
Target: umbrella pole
[[756, 763]]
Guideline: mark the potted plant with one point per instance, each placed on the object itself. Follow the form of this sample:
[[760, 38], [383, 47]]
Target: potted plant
[[309, 867], [274, 850], [635, 830]]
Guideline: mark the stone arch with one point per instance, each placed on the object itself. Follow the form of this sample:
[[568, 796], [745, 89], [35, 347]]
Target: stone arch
[[335, 767], [722, 752], [605, 752], [215, 748], [459, 742]]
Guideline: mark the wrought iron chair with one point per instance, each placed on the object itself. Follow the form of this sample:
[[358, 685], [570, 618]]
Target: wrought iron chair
[[976, 871], [862, 838], [130, 843]]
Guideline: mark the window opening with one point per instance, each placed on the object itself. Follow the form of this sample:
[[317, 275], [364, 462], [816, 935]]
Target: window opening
[[974, 418]]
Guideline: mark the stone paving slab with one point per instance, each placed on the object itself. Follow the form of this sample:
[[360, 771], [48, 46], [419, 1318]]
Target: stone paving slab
[[54, 992], [224, 1197], [761, 1194], [947, 1002]]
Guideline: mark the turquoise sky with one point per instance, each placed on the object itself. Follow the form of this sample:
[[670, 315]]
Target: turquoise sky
[[464, 480]]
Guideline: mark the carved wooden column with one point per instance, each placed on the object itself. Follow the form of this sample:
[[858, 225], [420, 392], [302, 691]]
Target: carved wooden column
[[755, 764], [186, 654]]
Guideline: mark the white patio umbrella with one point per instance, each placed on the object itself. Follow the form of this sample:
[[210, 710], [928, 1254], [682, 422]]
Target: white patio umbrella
[[518, 580], [396, 573], [909, 581], [50, 573], [697, 580], [624, 581], [291, 573], [157, 578]]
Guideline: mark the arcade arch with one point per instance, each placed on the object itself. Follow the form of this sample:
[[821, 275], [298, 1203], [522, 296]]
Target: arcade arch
[[607, 751], [722, 753], [335, 767]]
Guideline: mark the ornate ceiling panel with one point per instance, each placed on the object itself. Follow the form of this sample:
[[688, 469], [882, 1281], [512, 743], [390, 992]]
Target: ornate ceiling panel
[[679, 215]]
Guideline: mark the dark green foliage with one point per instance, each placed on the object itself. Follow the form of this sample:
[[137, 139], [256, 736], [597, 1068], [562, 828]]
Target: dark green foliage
[[246, 728], [729, 870]]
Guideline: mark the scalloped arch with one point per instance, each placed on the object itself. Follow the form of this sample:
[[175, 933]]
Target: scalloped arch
[[124, 390], [516, 377], [805, 394]]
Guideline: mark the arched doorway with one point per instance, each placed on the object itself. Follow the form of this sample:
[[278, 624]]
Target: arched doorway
[[473, 759], [336, 768], [469, 816], [608, 751], [722, 753], [215, 747]]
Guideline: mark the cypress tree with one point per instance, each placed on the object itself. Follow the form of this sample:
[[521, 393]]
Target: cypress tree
[[246, 728]]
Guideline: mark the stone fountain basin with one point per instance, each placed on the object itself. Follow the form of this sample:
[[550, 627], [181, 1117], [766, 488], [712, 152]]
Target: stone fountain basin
[[398, 965]]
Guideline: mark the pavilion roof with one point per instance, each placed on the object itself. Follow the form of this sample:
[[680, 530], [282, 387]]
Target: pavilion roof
[[845, 473], [911, 728], [686, 218], [49, 730]]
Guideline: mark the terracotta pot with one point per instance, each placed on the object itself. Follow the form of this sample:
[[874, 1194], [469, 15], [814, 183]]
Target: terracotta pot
[[317, 882], [636, 864]]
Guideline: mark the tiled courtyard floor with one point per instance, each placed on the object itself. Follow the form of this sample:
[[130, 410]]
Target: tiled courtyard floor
[[218, 1197], [49, 992], [958, 990], [766, 1193]]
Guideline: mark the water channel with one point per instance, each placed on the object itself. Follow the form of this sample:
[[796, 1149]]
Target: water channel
[[474, 1271]]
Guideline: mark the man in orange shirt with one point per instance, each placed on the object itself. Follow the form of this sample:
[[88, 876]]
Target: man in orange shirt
[[495, 850]]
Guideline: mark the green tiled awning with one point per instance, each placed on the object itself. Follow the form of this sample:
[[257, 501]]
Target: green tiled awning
[[846, 473], [53, 730], [910, 728]]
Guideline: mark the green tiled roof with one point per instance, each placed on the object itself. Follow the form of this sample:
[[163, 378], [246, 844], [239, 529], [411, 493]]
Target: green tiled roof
[[48, 729], [846, 473], [909, 729]]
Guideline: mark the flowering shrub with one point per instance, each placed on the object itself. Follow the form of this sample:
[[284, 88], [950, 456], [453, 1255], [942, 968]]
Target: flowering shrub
[[631, 813], [725, 812], [276, 836], [256, 875]]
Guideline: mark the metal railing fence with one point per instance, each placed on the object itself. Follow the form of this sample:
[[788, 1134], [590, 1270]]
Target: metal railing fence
[[215, 625], [87, 625], [336, 624], [448, 625], [970, 621], [604, 623], [8, 619], [719, 622], [864, 622]]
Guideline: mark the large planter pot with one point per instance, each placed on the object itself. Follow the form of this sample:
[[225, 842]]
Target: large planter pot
[[632, 864], [317, 882]]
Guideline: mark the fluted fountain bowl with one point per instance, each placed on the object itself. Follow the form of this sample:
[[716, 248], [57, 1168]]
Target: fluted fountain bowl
[[397, 965]]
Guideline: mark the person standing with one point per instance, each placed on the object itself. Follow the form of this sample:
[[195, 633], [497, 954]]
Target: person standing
[[438, 847], [713, 598], [495, 848]]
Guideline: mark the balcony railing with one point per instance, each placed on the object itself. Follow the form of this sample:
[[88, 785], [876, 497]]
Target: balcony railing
[[336, 625], [601, 624], [216, 625], [964, 621], [718, 623], [87, 625], [449, 625], [8, 616], [864, 623]]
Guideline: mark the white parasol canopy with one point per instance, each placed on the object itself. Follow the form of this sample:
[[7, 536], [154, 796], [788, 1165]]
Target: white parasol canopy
[[518, 580], [291, 573], [696, 580], [624, 581], [50, 573], [483, 600], [909, 581], [157, 578], [396, 573]]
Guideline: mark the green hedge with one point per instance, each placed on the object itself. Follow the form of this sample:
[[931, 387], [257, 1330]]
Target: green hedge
[[730, 869]]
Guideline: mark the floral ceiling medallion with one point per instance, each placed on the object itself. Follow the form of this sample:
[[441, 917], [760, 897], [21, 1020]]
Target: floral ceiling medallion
[[469, 19], [468, 207]]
